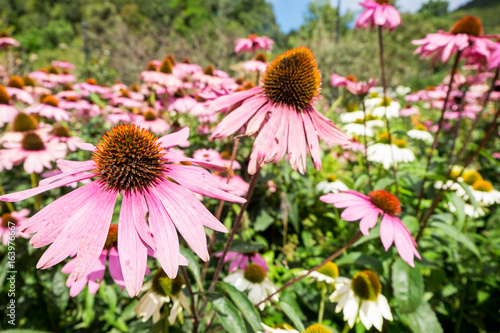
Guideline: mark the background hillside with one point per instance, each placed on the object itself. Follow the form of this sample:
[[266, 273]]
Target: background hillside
[[105, 38]]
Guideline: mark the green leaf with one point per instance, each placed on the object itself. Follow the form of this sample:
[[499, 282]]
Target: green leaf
[[373, 234], [245, 247], [459, 204], [360, 181], [96, 100], [411, 223], [407, 285], [108, 295], [24, 331], [454, 233], [290, 312], [359, 258], [193, 266], [263, 221], [244, 304], [383, 183], [422, 320], [227, 313]]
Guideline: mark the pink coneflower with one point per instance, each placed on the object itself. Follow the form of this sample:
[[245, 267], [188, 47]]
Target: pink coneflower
[[126, 102], [466, 35], [379, 13], [15, 88], [61, 134], [186, 67], [494, 60], [259, 64], [208, 155], [151, 122], [7, 111], [253, 43], [74, 103], [132, 162], [96, 273], [181, 102], [116, 115], [62, 64], [164, 76], [240, 260], [34, 151], [289, 89], [351, 83], [91, 86], [10, 224], [409, 111], [6, 41], [49, 108], [207, 78], [239, 186], [367, 209]]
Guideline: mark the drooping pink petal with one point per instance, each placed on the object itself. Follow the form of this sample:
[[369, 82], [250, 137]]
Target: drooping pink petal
[[174, 139], [368, 221], [233, 266], [97, 273], [115, 269], [200, 181], [387, 231], [94, 237], [228, 100], [297, 152], [165, 235], [132, 249], [185, 220], [404, 242], [238, 117], [312, 141]]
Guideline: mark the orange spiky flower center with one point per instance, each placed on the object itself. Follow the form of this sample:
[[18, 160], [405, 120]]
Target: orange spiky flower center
[[421, 127], [179, 93], [172, 58], [4, 95], [112, 238], [385, 201], [482, 186], [53, 70], [384, 2], [91, 81], [254, 273], [124, 93], [351, 78], [470, 25], [293, 79], [149, 116], [385, 138], [472, 176], [16, 82], [24, 123], [72, 99], [29, 81], [134, 87], [401, 143], [209, 70], [252, 36], [366, 285], [186, 60], [129, 158], [32, 142], [6, 218], [317, 328], [166, 66], [61, 131], [261, 57], [50, 100], [151, 66]]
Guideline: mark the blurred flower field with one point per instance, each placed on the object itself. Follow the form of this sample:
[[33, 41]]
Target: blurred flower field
[[268, 197]]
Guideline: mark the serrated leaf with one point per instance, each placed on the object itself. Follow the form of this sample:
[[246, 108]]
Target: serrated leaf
[[290, 312], [193, 265], [422, 320], [244, 304], [407, 285], [227, 313], [454, 233], [263, 221]]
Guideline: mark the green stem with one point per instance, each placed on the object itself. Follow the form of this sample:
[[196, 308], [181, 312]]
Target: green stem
[[367, 164], [166, 314], [322, 304], [346, 328], [9, 204], [34, 183]]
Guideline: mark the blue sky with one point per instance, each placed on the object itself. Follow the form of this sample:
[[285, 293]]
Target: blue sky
[[290, 13]]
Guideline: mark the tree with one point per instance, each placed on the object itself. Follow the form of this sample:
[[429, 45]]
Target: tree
[[434, 8]]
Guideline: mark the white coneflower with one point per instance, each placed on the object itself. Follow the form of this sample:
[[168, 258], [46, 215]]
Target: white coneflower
[[254, 280], [469, 210], [389, 153], [161, 290], [387, 108], [353, 113], [484, 193], [450, 184], [331, 185], [326, 273], [361, 298], [402, 90], [420, 133], [280, 328]]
